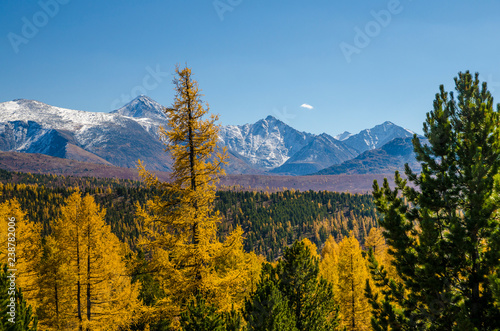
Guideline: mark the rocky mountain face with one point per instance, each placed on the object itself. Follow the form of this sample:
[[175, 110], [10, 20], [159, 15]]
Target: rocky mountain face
[[322, 151], [142, 107], [127, 134], [110, 138], [375, 137], [266, 144], [384, 160]]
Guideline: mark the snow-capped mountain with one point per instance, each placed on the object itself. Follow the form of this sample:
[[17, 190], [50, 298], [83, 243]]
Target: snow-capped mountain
[[375, 137], [142, 107], [130, 133], [35, 127], [55, 117], [266, 144], [343, 136]]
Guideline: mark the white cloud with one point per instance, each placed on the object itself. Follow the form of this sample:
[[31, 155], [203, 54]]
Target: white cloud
[[305, 105]]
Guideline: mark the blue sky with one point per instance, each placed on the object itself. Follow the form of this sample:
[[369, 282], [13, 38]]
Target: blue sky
[[357, 63]]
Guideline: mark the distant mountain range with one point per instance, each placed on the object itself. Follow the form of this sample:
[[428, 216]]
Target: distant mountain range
[[267, 146], [385, 160]]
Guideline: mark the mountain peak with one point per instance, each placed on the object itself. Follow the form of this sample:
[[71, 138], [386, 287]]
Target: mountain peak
[[266, 144], [269, 121], [142, 107], [376, 137], [28, 102], [271, 118], [343, 136]]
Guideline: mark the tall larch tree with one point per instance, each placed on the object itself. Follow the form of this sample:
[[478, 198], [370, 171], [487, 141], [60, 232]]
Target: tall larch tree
[[180, 224], [328, 265], [376, 242], [443, 229], [97, 277], [55, 300], [313, 249], [28, 247], [353, 273]]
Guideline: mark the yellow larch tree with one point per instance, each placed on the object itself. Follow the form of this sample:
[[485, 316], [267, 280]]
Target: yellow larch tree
[[376, 242], [24, 243], [312, 247], [56, 302], [328, 266], [91, 267], [236, 272], [180, 224], [355, 310]]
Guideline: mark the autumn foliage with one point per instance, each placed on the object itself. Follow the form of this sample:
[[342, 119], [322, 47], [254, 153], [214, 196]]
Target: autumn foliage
[[108, 254]]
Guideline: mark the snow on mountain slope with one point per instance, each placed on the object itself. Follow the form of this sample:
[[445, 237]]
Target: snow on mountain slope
[[377, 136], [131, 132], [343, 136], [55, 117], [266, 144], [34, 127], [142, 107], [146, 112]]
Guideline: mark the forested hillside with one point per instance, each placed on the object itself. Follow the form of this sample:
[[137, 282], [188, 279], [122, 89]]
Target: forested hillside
[[270, 221]]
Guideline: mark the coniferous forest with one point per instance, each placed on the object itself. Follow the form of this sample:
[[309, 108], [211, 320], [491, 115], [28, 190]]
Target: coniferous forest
[[108, 254]]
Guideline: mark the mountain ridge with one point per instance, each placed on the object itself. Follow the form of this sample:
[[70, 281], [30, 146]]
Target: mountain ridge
[[142, 107], [377, 136], [131, 132], [385, 160], [322, 151]]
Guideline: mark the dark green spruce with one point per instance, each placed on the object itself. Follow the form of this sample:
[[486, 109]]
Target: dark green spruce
[[268, 308], [292, 296], [201, 316], [442, 224]]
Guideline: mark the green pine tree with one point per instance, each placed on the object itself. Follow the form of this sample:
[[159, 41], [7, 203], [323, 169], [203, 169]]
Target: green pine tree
[[293, 287], [233, 321], [201, 316], [441, 229], [267, 309], [310, 297]]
